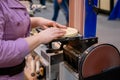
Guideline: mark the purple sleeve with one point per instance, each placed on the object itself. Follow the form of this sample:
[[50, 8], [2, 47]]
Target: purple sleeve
[[12, 52]]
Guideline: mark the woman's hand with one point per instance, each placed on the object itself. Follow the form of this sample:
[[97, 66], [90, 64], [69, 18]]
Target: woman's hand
[[55, 31], [50, 23], [50, 34], [44, 23]]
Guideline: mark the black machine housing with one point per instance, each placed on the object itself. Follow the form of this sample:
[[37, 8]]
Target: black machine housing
[[74, 49]]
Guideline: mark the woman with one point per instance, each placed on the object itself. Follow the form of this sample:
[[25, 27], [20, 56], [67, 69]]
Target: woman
[[15, 42], [43, 4], [115, 13], [61, 4], [31, 3]]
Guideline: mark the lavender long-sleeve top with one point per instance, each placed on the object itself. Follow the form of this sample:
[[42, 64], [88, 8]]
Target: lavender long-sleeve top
[[14, 26]]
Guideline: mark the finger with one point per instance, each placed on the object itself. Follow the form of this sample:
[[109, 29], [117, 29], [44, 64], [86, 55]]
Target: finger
[[60, 26], [54, 24], [57, 36], [45, 27], [58, 33], [61, 30], [36, 58]]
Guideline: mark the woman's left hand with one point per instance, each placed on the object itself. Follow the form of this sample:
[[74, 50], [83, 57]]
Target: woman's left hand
[[45, 23], [53, 24]]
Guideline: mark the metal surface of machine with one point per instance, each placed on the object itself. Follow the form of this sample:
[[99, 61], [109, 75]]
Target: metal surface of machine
[[50, 61]]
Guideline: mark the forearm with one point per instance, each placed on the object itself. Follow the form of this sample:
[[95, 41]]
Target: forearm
[[33, 41]]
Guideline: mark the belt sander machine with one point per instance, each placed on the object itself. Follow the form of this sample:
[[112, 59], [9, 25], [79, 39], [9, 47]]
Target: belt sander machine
[[81, 54]]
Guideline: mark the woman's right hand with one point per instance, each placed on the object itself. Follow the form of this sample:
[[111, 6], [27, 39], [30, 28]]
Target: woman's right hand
[[50, 34]]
